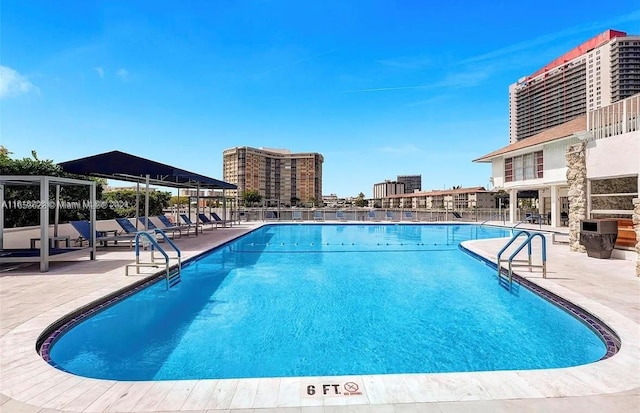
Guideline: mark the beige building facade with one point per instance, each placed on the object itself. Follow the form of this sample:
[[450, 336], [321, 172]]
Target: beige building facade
[[608, 140], [599, 72], [459, 199], [277, 174]]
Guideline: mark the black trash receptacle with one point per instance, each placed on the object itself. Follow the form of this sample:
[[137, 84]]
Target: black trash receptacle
[[598, 236]]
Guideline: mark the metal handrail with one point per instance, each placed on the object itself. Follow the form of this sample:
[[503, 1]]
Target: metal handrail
[[513, 238], [490, 218], [154, 245], [173, 245], [528, 243]]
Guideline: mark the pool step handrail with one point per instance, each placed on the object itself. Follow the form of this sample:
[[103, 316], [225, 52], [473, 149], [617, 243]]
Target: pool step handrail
[[508, 276], [492, 217], [543, 251], [171, 278], [511, 241], [511, 260]]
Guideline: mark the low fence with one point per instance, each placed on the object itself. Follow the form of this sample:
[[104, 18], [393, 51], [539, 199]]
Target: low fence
[[366, 214]]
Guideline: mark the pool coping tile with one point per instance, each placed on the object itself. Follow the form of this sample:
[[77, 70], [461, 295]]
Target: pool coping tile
[[27, 378]]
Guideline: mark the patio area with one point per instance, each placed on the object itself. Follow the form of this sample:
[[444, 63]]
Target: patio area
[[30, 301]]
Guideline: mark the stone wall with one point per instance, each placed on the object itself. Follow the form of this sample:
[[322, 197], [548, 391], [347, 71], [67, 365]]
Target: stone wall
[[577, 181], [636, 226]]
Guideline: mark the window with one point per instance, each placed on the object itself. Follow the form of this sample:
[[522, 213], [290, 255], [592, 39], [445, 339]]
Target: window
[[508, 170], [520, 168], [539, 165]]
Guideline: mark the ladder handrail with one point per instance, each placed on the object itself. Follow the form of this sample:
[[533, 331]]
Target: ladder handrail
[[491, 217], [153, 243], [172, 244], [155, 246], [513, 238], [528, 243]]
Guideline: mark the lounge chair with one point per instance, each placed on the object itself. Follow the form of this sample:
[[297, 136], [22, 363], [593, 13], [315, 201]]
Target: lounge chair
[[408, 215], [389, 216], [206, 221], [188, 221], [84, 229], [219, 220], [318, 216], [164, 220], [371, 216], [152, 227], [340, 216], [296, 215], [456, 215], [130, 229], [270, 215]]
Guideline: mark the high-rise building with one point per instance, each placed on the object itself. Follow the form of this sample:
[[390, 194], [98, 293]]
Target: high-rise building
[[412, 183], [277, 174], [386, 188], [599, 72]]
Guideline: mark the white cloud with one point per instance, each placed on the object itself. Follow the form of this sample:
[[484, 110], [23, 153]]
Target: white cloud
[[456, 79], [100, 72], [13, 83], [551, 38], [122, 74], [404, 149], [408, 62]]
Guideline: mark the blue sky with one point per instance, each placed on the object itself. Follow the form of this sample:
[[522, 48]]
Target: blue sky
[[380, 88]]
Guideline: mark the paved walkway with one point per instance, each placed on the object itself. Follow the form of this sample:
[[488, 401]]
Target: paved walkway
[[30, 301]]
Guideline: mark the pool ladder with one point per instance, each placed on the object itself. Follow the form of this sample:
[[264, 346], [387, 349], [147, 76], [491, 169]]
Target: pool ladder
[[508, 275], [148, 238]]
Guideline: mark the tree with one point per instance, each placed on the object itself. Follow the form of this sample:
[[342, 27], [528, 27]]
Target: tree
[[501, 196], [360, 201], [122, 203], [251, 197], [184, 200], [34, 166]]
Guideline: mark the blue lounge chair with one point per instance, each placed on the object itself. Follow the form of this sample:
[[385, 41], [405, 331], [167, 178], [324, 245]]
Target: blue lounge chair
[[340, 216], [408, 215], [152, 227], [318, 216], [270, 215], [206, 221], [84, 229], [130, 229], [127, 226], [371, 216], [168, 225], [188, 221], [296, 215], [220, 221], [389, 215]]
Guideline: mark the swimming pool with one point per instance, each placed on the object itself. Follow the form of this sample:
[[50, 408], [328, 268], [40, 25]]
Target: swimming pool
[[321, 300]]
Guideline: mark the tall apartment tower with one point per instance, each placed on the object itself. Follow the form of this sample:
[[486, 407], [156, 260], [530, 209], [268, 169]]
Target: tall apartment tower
[[412, 183], [277, 174], [599, 72], [386, 188]]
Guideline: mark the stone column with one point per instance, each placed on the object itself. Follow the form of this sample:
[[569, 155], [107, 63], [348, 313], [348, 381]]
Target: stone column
[[636, 226], [577, 181]]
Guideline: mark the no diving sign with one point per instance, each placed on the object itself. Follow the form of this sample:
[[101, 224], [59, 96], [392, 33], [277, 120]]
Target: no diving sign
[[333, 389]]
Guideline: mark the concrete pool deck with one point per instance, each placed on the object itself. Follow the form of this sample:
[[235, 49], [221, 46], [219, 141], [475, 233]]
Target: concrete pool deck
[[30, 301]]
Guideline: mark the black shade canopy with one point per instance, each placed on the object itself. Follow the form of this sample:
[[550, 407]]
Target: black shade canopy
[[126, 167]]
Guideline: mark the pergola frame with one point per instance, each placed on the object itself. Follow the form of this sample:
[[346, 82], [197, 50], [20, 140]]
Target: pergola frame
[[44, 183]]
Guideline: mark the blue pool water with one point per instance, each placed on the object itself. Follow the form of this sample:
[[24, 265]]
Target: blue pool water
[[309, 300]]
